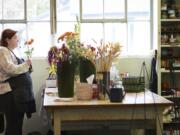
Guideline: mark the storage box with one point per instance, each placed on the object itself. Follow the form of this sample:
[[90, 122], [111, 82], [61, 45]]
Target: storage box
[[133, 83]]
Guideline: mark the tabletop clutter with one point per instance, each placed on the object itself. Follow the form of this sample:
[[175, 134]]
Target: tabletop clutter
[[94, 89], [114, 92]]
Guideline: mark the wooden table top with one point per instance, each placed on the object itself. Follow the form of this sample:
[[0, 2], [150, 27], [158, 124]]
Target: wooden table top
[[51, 100]]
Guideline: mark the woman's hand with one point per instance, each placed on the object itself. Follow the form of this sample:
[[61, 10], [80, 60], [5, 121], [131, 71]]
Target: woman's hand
[[29, 62]]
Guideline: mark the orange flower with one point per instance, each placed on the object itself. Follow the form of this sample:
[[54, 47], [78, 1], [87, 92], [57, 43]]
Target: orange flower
[[29, 48], [67, 34], [29, 42]]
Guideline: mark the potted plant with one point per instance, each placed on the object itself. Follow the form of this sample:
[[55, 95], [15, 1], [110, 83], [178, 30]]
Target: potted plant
[[68, 56]]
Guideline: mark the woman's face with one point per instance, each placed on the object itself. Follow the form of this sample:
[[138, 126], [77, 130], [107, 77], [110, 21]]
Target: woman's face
[[13, 42]]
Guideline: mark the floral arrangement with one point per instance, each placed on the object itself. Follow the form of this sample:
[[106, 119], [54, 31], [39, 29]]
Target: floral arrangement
[[29, 48], [103, 54], [70, 47], [69, 50]]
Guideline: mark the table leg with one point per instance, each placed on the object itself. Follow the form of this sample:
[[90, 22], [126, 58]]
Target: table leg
[[159, 124], [57, 123]]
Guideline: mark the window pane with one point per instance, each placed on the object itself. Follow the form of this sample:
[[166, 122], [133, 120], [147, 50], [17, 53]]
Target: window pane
[[64, 27], [0, 9], [91, 31], [92, 13], [114, 9], [67, 10], [15, 26], [116, 32], [138, 9], [38, 10], [40, 32], [13, 9], [138, 37], [0, 28]]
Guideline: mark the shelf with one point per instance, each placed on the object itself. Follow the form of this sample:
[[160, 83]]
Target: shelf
[[170, 20], [170, 57], [171, 125], [167, 93], [163, 70], [170, 45], [174, 99]]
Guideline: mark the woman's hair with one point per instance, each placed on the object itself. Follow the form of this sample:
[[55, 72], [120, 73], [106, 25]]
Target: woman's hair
[[6, 34]]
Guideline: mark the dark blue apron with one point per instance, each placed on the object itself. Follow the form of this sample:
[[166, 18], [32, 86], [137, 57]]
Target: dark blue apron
[[22, 90]]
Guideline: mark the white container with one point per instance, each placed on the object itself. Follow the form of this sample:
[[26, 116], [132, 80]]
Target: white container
[[51, 83]]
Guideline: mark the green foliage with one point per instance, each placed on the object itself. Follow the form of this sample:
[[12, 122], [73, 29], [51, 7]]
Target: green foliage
[[29, 52]]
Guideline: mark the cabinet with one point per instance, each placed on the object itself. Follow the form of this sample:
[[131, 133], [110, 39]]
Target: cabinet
[[169, 46], [169, 52]]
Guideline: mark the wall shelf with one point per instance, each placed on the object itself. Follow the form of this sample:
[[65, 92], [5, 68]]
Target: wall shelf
[[163, 70], [169, 45], [169, 57], [170, 20]]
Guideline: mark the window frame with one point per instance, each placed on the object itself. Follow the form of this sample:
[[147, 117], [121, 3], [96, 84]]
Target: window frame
[[26, 22], [53, 21]]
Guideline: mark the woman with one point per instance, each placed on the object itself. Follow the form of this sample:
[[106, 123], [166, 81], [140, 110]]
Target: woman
[[12, 67]]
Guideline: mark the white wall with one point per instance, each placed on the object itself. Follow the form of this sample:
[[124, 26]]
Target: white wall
[[40, 73]]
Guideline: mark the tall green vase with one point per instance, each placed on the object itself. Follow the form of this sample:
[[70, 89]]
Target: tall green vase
[[86, 68], [65, 79]]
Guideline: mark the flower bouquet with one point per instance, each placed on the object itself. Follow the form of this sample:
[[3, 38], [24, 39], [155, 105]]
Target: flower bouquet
[[29, 48], [63, 60], [68, 56], [29, 51], [102, 55]]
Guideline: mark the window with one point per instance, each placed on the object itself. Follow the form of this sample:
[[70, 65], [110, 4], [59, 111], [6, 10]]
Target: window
[[67, 10], [139, 27], [10, 11], [103, 9], [118, 20], [31, 19], [126, 21]]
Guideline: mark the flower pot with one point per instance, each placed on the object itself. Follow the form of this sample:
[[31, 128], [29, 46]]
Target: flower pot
[[65, 79]]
